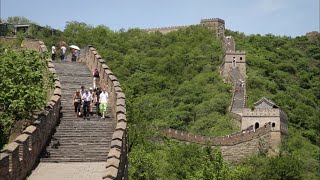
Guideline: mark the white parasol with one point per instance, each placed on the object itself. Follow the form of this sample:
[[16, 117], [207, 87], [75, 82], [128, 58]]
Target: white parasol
[[74, 47]]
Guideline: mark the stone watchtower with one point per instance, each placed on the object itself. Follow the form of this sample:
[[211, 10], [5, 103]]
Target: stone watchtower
[[215, 24], [234, 60], [266, 111]]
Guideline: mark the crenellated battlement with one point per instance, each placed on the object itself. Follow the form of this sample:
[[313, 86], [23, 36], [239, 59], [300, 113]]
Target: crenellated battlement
[[261, 112], [228, 140], [212, 20], [165, 28], [215, 24]]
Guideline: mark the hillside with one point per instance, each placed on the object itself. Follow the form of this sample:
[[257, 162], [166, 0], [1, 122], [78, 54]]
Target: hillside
[[173, 81]]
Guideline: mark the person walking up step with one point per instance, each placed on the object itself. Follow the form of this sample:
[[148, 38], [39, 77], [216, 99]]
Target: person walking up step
[[77, 103], [96, 78], [103, 99], [86, 99]]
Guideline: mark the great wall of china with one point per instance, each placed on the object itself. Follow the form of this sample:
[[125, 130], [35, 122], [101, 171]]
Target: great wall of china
[[262, 129]]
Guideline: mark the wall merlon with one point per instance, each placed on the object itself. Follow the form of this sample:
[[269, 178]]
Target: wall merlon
[[117, 89], [114, 153], [120, 95], [121, 117], [121, 102], [120, 109], [11, 147], [111, 174], [116, 84], [108, 72], [114, 162], [112, 78], [22, 138], [104, 66], [57, 84], [117, 135], [116, 144]]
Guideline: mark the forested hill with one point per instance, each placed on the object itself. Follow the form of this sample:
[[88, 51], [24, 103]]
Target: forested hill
[[173, 80], [286, 70]]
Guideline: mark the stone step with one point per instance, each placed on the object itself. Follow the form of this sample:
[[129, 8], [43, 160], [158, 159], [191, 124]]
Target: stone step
[[57, 160], [80, 140], [76, 147]]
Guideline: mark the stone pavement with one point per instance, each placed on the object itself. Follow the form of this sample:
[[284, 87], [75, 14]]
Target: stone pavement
[[69, 171]]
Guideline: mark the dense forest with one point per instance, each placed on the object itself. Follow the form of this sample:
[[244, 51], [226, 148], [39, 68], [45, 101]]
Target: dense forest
[[173, 80]]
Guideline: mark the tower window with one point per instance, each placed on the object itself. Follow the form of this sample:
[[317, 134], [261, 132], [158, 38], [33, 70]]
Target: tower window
[[240, 58], [256, 126], [273, 125]]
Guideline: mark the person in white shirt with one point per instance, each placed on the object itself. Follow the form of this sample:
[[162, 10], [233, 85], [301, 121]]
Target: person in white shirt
[[103, 99], [62, 52], [86, 99], [53, 52]]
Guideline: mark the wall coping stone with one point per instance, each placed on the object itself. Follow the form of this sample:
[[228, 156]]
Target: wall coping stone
[[108, 71], [112, 173], [22, 138], [11, 147], [104, 66]]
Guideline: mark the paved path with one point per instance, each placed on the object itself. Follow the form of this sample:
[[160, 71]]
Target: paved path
[[239, 97], [84, 143], [69, 171]]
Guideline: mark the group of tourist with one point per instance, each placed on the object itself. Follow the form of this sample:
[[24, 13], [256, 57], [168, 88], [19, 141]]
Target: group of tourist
[[85, 99], [63, 49]]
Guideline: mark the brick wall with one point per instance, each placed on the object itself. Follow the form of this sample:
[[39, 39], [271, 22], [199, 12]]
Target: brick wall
[[117, 162], [18, 157]]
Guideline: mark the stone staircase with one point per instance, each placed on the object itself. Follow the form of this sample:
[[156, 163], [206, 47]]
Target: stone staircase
[[238, 102], [80, 140]]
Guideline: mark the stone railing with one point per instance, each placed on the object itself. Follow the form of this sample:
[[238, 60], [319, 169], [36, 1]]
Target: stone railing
[[117, 162], [18, 158]]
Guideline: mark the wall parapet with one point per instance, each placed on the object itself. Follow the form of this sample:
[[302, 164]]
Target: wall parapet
[[117, 160], [165, 28], [261, 112], [228, 140], [18, 158], [212, 20]]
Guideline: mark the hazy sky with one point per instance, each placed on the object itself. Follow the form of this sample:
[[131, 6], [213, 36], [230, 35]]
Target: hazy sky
[[279, 17]]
